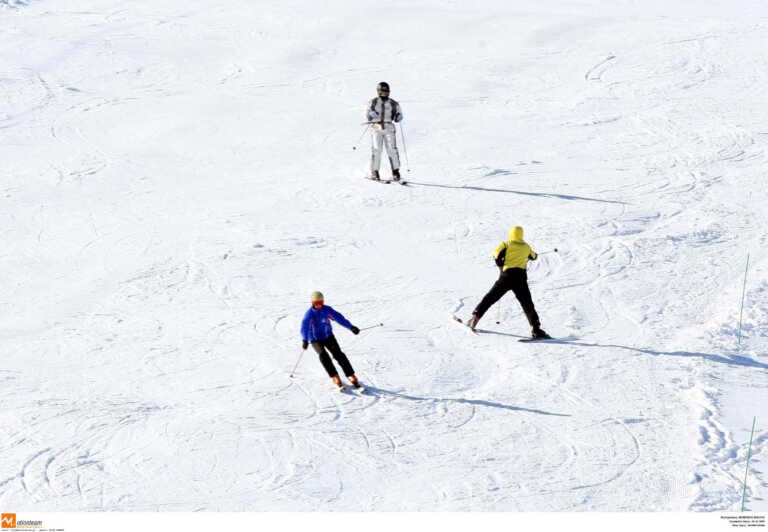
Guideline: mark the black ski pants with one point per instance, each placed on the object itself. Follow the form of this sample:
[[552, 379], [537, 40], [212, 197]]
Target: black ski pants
[[515, 279], [330, 344]]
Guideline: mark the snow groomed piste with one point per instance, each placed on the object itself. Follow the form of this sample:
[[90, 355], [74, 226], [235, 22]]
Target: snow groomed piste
[[177, 180]]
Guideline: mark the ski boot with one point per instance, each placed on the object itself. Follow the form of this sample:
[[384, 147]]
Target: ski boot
[[396, 174], [375, 175], [356, 383], [539, 334], [472, 323], [337, 381]]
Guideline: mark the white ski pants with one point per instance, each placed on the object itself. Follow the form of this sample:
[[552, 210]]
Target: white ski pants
[[384, 136]]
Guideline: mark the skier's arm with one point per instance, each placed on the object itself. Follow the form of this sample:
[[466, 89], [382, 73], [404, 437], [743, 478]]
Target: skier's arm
[[397, 113], [370, 113], [500, 254], [532, 255], [305, 327], [339, 318]]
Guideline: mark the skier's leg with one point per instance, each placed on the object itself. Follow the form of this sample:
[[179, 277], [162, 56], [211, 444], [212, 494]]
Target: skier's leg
[[390, 140], [377, 141], [523, 295], [325, 359], [341, 358], [499, 288]]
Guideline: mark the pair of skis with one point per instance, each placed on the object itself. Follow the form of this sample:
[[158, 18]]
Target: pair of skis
[[525, 340], [388, 181]]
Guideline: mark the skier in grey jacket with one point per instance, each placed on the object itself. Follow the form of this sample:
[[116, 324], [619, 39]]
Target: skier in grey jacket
[[382, 113]]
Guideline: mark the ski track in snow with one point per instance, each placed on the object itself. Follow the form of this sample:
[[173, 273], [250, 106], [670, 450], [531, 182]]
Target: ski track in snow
[[166, 219]]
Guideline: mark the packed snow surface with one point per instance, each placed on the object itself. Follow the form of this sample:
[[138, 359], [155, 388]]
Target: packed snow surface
[[176, 177]]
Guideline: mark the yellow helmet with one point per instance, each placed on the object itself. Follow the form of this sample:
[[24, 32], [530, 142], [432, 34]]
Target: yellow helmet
[[317, 296]]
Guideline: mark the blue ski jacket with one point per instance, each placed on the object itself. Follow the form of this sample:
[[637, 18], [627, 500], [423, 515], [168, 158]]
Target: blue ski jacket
[[316, 324]]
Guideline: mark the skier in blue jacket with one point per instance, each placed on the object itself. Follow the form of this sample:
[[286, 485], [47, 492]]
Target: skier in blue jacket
[[316, 330]]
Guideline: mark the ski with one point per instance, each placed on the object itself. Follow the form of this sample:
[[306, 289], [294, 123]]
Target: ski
[[531, 340]]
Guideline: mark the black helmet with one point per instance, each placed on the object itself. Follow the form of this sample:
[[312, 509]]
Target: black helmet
[[383, 86]]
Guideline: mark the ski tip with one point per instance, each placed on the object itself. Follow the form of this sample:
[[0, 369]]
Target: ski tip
[[465, 324]]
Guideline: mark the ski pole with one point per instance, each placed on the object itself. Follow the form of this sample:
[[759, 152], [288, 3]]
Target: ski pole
[[297, 362], [361, 136], [550, 251], [498, 305], [372, 327], [405, 149]]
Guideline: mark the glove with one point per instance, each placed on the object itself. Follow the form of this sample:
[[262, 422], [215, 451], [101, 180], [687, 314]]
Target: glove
[[354, 330], [304, 344], [398, 117], [373, 115]]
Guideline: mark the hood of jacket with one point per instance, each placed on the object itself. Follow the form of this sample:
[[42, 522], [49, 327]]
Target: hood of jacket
[[516, 234]]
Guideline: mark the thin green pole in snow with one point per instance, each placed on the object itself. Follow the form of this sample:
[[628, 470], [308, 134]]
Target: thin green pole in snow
[[743, 291], [749, 453]]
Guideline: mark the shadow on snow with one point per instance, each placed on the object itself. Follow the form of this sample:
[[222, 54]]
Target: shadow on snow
[[733, 360], [520, 192], [476, 402]]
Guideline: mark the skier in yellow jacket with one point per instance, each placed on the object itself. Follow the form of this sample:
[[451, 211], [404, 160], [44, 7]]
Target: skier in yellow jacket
[[512, 258]]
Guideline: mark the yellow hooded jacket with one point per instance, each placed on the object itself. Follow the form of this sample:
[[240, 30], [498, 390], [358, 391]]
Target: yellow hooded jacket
[[514, 252]]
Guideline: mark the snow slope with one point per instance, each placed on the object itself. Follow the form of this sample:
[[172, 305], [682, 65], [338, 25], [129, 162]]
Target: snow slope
[[177, 177]]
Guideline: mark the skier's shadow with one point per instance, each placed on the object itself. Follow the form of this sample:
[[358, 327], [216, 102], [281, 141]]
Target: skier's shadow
[[731, 360], [381, 392], [519, 192]]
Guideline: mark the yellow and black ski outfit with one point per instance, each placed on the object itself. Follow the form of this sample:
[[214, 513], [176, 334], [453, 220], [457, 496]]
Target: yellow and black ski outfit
[[512, 258]]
